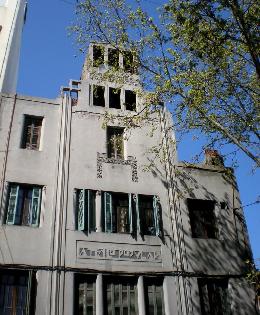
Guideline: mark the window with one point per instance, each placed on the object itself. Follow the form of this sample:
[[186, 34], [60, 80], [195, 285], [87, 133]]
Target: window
[[202, 218], [24, 202], [98, 55], [121, 296], [85, 295], [115, 142], [214, 296], [128, 213], [32, 132], [128, 62], [113, 57], [98, 95], [130, 100], [117, 212], [148, 209], [15, 292], [114, 98], [86, 209], [154, 297]]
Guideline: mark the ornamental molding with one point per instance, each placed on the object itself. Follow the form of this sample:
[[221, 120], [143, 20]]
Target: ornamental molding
[[131, 161]]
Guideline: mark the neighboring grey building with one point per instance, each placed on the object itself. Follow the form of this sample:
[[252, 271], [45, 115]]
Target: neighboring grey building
[[85, 230]]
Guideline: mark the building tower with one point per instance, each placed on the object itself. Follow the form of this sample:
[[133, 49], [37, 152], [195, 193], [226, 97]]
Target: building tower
[[12, 17]]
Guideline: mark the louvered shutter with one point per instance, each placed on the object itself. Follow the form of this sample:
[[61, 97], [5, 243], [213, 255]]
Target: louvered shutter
[[130, 213], [139, 230], [13, 204], [108, 212], [81, 209], [157, 216], [35, 206]]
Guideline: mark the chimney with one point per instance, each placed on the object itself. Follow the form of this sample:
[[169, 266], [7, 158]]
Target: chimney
[[212, 157]]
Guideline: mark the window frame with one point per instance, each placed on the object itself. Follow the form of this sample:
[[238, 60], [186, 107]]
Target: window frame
[[154, 283], [207, 289], [113, 150], [15, 276], [85, 210], [16, 206], [30, 123], [84, 279], [202, 217]]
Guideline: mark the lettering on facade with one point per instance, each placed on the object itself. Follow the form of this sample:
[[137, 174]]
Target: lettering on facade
[[92, 251]]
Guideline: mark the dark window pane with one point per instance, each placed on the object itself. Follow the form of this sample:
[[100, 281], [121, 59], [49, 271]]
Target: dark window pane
[[98, 55], [98, 95], [147, 214], [114, 98], [128, 62], [85, 295], [113, 57], [130, 100], [154, 296], [31, 132], [115, 144], [202, 218]]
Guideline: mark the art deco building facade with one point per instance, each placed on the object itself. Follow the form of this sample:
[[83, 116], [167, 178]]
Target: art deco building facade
[[85, 230]]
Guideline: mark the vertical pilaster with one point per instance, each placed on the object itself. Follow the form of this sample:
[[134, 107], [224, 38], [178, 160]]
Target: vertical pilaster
[[99, 295], [140, 292]]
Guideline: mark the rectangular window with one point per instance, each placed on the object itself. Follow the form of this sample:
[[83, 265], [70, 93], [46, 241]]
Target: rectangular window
[[117, 212], [128, 62], [86, 210], [115, 142], [202, 218], [32, 132], [121, 296], [98, 95], [113, 57], [24, 203], [149, 213], [98, 55], [114, 98], [130, 100], [154, 297], [15, 292], [214, 296], [85, 295]]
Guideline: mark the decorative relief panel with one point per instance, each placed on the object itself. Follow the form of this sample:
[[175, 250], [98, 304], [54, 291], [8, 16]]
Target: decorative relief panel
[[120, 252], [131, 161]]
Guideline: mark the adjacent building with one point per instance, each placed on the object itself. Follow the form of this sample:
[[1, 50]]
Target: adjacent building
[[84, 229]]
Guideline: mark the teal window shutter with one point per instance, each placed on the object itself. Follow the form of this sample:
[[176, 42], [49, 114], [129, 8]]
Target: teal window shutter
[[35, 206], [156, 215], [108, 212], [137, 214], [81, 209], [130, 213], [12, 205]]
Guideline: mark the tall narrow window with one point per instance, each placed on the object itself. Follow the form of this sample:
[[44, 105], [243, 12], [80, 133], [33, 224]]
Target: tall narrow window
[[115, 142], [154, 297], [85, 295], [32, 132], [121, 297], [149, 213], [98, 95], [214, 296], [202, 218], [86, 210], [117, 210], [113, 57], [114, 98], [98, 55], [130, 100], [128, 62], [24, 202], [15, 292]]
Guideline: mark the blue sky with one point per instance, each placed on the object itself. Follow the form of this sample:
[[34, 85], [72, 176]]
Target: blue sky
[[49, 59]]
